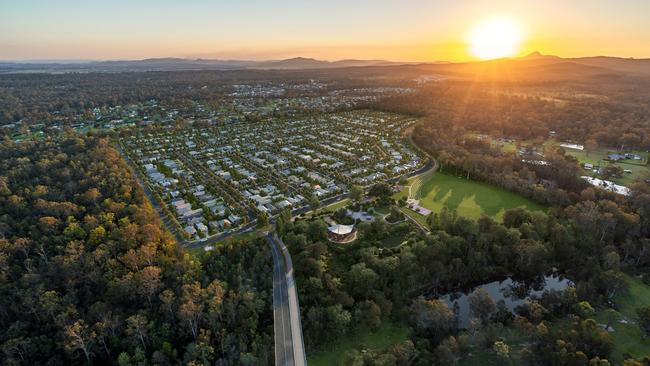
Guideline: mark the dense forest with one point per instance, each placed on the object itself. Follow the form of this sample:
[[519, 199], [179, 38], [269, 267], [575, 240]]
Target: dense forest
[[589, 235], [451, 112], [361, 285], [88, 275], [43, 98], [605, 113]]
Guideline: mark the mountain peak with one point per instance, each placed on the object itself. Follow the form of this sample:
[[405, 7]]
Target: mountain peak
[[300, 58], [536, 55]]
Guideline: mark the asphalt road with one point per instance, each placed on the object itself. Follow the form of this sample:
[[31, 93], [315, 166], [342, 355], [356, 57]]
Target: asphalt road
[[281, 318], [289, 344]]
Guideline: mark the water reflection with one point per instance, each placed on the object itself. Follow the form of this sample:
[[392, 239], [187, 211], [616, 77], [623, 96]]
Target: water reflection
[[511, 292]]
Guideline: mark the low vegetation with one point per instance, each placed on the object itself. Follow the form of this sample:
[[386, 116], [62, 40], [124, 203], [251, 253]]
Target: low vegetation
[[361, 341]]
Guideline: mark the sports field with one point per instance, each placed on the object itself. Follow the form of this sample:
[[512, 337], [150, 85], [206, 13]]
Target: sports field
[[469, 198]]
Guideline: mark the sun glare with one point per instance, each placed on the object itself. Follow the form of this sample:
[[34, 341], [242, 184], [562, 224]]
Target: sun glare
[[495, 38]]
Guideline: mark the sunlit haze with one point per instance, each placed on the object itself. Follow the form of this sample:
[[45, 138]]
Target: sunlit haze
[[417, 30], [495, 38], [325, 182]]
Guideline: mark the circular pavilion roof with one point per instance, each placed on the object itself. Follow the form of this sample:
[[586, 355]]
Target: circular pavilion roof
[[341, 229]]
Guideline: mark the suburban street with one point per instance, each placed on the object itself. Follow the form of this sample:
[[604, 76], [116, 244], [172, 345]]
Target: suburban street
[[289, 345]]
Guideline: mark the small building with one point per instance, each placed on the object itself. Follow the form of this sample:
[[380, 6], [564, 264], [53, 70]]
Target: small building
[[283, 204], [202, 228], [234, 219], [190, 230], [224, 224], [570, 145], [414, 205]]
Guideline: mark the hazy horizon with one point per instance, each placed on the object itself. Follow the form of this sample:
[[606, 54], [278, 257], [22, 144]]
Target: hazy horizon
[[422, 31], [72, 61]]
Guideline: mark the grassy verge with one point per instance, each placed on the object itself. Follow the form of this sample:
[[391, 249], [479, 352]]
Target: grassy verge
[[628, 339], [479, 355], [387, 335], [334, 206], [243, 236], [415, 216]]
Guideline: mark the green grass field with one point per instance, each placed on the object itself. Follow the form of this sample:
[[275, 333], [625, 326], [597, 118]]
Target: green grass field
[[469, 198], [628, 337], [387, 335], [417, 217], [638, 168]]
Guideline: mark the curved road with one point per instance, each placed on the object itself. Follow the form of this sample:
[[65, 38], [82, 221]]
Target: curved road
[[289, 344]]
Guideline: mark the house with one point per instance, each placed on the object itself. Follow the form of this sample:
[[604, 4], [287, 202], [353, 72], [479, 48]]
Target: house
[[234, 219], [188, 215], [283, 204], [190, 230], [224, 224], [150, 168], [194, 220], [219, 210], [202, 228]]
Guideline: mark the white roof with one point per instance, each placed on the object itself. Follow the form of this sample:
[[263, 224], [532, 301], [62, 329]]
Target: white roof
[[572, 146], [607, 185], [341, 229]]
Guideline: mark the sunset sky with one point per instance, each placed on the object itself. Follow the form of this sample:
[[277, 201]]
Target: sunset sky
[[406, 30]]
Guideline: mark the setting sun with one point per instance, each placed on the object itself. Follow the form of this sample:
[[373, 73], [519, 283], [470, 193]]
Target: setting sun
[[495, 38]]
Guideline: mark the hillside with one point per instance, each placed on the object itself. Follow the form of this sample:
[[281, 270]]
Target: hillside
[[515, 67]]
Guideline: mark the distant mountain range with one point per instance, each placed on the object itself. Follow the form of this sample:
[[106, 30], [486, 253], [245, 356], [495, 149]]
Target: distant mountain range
[[640, 65], [536, 66], [179, 64], [534, 62]]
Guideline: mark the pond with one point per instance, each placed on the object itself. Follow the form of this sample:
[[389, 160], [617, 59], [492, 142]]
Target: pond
[[513, 293]]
